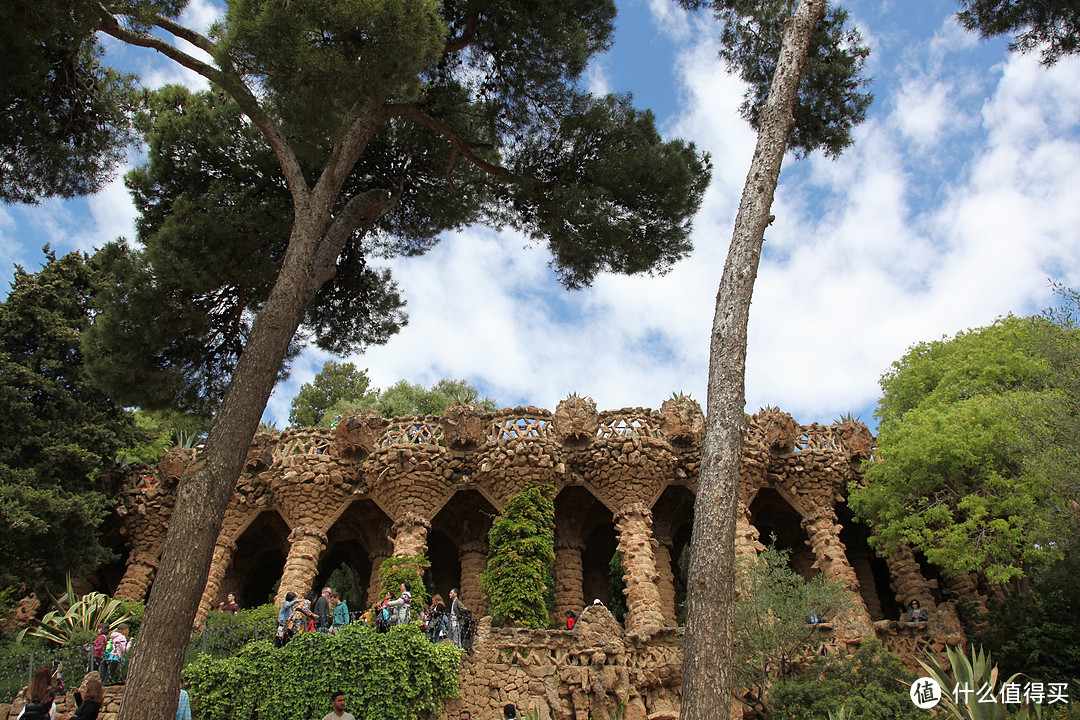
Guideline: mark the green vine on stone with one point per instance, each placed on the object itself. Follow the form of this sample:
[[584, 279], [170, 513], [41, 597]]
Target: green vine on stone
[[522, 549], [404, 568]]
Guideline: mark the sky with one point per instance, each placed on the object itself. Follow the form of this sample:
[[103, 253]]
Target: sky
[[957, 204]]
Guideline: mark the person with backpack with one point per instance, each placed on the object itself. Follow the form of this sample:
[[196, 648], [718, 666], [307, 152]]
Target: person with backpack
[[39, 696], [115, 650], [97, 658], [400, 608]]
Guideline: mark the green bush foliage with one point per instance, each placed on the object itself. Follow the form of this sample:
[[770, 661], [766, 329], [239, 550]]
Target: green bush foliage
[[522, 548], [870, 684], [407, 568], [396, 675]]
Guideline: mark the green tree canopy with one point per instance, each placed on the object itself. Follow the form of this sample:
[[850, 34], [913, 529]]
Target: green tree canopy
[[56, 428], [957, 474], [335, 383], [405, 398], [1052, 27], [832, 97], [66, 118]]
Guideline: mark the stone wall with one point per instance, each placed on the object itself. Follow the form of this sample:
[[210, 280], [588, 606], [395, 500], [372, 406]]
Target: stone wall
[[624, 480]]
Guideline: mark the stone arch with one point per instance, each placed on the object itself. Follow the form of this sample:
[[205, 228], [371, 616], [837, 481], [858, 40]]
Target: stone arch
[[585, 542], [258, 561], [457, 546], [772, 514], [673, 524], [356, 542], [871, 569]]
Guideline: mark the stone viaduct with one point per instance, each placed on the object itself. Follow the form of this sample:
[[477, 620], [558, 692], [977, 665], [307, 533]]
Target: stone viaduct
[[310, 500]]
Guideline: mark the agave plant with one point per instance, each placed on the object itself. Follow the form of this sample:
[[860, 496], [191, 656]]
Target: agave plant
[[76, 615], [844, 713], [972, 676]]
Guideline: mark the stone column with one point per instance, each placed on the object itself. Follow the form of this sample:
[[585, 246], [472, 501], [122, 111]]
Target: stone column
[[223, 555], [374, 589], [643, 604], [569, 594], [666, 582], [824, 533], [473, 556], [410, 535], [142, 565], [306, 544], [908, 581]]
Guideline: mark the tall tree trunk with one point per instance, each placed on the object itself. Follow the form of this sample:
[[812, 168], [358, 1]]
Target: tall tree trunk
[[708, 677], [153, 686]]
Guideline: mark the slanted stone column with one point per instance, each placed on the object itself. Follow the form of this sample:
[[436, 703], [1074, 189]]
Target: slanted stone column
[[306, 544], [141, 567], [824, 533], [410, 535], [569, 594], [473, 556], [908, 581], [223, 555], [643, 603], [666, 582], [374, 590]]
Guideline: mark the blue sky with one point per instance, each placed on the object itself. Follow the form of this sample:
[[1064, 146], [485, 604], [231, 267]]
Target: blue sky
[[955, 206]]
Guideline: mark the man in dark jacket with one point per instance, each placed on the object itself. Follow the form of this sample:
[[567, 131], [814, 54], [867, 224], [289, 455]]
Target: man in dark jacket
[[321, 608]]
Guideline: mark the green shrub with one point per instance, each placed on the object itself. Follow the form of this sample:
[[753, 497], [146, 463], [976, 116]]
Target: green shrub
[[870, 684], [522, 543], [406, 568], [134, 611], [397, 675]]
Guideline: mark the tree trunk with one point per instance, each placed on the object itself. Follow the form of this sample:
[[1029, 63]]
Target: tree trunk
[[153, 687], [707, 660]]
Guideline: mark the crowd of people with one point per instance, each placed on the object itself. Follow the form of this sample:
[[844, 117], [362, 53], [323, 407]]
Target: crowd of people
[[327, 612]]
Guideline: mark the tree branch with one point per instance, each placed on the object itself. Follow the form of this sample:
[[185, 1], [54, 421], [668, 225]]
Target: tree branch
[[361, 211], [459, 143], [468, 35], [240, 92]]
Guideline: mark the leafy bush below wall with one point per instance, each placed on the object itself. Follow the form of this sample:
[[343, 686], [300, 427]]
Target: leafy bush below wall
[[395, 675]]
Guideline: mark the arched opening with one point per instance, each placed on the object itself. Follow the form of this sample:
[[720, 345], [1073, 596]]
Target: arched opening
[[346, 565], [673, 523], [458, 532], [255, 571], [871, 570], [776, 521], [584, 523]]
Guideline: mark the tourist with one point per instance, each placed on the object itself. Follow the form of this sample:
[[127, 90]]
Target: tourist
[[571, 619], [284, 614], [321, 608], [302, 617], [341, 612], [915, 613], [97, 659], [39, 697], [183, 708], [230, 606], [436, 619], [509, 711], [457, 615], [337, 708], [115, 650], [89, 699], [399, 608], [464, 715]]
